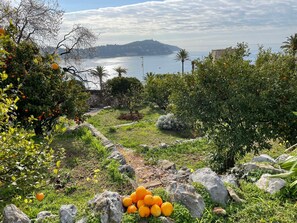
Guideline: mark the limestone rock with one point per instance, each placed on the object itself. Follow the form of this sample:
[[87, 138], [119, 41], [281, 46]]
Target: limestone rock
[[43, 215], [264, 158], [165, 220], [230, 179], [186, 195], [83, 220], [248, 167], [109, 205], [166, 165], [11, 214], [117, 156], [282, 158], [271, 185], [213, 184], [68, 213], [234, 196], [163, 145], [127, 169]]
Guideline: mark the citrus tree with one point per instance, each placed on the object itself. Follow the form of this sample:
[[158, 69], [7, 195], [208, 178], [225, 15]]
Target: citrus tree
[[241, 105]]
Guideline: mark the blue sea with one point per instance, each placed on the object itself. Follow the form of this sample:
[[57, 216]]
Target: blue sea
[[138, 66]]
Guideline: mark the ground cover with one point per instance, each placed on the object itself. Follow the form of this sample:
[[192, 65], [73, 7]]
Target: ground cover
[[143, 132]]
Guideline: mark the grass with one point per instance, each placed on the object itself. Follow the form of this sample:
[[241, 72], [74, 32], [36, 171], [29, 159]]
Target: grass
[[84, 172], [144, 132]]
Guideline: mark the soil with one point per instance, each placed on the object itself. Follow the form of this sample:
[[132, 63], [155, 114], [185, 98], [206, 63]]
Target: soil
[[131, 116]]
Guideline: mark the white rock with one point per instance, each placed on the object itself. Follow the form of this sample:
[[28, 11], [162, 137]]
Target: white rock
[[68, 213], [263, 158], [271, 185], [11, 214]]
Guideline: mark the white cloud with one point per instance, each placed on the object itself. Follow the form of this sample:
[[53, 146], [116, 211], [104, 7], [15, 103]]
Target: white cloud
[[196, 24]]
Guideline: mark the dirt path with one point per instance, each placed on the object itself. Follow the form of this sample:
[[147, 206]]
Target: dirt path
[[146, 175]]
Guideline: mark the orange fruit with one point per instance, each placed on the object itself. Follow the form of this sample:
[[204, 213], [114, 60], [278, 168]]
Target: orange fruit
[[140, 192], [144, 211], [39, 196], [148, 192], [55, 66], [140, 203], [127, 201], [155, 210], [132, 209], [2, 31], [148, 200], [133, 197], [157, 200], [166, 209]]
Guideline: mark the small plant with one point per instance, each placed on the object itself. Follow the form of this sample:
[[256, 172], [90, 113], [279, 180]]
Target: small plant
[[169, 122], [112, 130]]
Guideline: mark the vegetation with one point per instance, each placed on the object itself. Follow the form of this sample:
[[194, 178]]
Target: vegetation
[[234, 102], [290, 45], [100, 72], [120, 70], [182, 56]]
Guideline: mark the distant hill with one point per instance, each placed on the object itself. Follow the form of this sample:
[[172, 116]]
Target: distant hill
[[138, 48]]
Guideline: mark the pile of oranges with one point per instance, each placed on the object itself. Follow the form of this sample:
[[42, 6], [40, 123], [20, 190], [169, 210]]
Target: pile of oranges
[[146, 204]]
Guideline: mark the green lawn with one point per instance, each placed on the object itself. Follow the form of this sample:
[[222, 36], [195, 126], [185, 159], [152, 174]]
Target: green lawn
[[132, 136]]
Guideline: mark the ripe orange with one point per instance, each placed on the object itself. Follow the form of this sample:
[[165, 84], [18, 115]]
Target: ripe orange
[[55, 66], [166, 209], [157, 200], [133, 197], [127, 201], [39, 196], [155, 210], [148, 192], [148, 200], [140, 203], [144, 211], [2, 31], [140, 192], [132, 209]]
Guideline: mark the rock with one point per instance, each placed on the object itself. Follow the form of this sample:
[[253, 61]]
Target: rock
[[248, 167], [186, 195], [110, 146], [117, 156], [11, 214], [43, 215], [127, 169], [165, 220], [166, 165], [68, 213], [234, 196], [269, 184], [163, 145], [219, 211], [152, 184], [264, 158], [109, 205], [230, 179], [183, 174], [83, 220], [282, 158], [213, 184]]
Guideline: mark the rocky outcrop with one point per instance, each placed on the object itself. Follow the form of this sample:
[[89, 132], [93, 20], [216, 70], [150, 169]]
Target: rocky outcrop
[[213, 184], [166, 165], [68, 213], [186, 195], [282, 158], [12, 214], [269, 184], [41, 216], [229, 179], [116, 155], [263, 158], [109, 205]]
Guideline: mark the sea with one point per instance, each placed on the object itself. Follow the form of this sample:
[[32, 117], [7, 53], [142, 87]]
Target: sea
[[137, 66]]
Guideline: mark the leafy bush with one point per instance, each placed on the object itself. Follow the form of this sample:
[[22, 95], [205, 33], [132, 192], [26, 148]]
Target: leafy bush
[[169, 122]]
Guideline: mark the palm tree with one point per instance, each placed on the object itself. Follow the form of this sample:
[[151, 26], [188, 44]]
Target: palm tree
[[100, 72], [290, 46], [120, 70], [182, 55]]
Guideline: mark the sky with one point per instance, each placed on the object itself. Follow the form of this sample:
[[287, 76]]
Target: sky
[[196, 25]]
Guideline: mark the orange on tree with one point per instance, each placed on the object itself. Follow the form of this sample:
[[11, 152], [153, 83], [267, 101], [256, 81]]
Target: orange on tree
[[132, 209], [144, 211], [127, 201], [156, 210], [157, 200], [140, 203], [2, 31], [55, 66], [140, 192], [133, 197], [148, 192], [39, 196], [167, 209], [148, 200]]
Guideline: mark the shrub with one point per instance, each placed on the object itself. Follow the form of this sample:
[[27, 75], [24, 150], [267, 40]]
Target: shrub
[[169, 122]]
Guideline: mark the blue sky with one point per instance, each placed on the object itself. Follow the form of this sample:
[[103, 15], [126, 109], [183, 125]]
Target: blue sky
[[78, 5], [196, 25]]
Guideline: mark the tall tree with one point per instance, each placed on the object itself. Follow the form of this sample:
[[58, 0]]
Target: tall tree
[[120, 70], [100, 72], [290, 46], [182, 56]]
